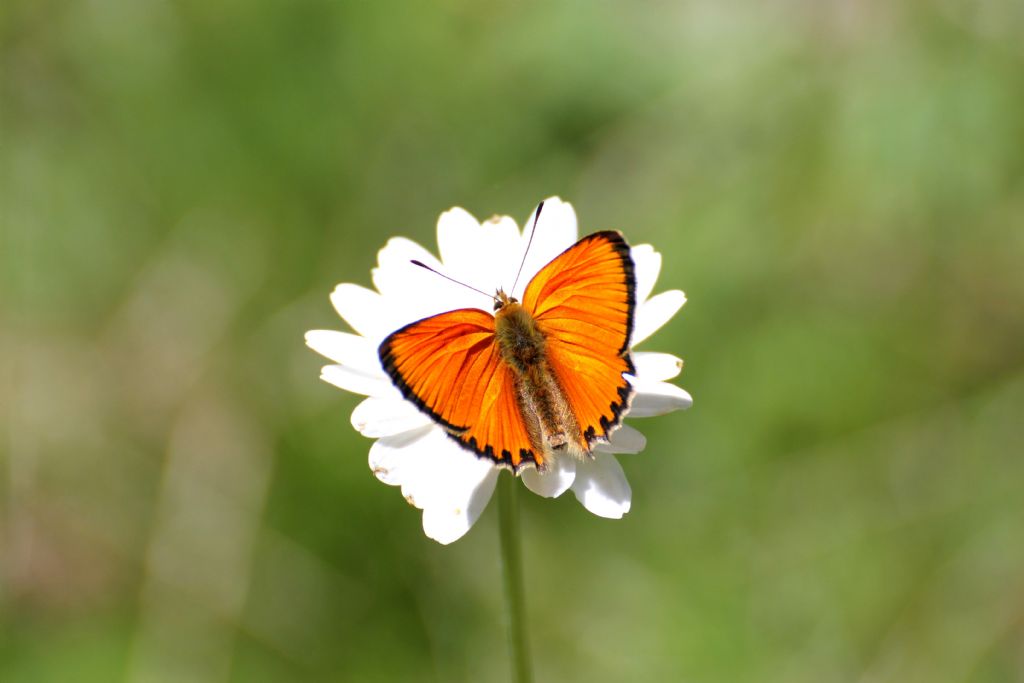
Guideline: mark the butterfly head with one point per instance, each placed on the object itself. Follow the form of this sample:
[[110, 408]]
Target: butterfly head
[[501, 299]]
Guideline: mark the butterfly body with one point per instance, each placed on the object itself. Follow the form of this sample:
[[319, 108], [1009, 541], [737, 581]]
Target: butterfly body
[[537, 379], [545, 409]]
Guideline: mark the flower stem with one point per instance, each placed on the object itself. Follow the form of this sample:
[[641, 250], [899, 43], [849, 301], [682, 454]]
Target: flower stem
[[512, 561]]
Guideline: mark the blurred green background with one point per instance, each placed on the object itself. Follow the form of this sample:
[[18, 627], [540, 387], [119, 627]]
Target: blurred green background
[[838, 186]]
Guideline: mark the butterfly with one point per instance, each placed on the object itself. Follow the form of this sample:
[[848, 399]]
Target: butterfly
[[538, 378]]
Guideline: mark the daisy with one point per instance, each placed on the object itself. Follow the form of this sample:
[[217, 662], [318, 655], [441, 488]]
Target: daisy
[[451, 485]]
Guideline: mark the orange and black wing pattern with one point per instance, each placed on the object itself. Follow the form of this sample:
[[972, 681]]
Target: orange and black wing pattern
[[583, 302], [449, 365]]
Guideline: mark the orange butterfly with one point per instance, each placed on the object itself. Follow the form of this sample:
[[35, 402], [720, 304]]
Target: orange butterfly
[[537, 378]]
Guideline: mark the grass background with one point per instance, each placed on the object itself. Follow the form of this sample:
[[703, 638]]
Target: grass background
[[839, 188]]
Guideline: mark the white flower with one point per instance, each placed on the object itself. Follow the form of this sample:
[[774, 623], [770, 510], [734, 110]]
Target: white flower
[[452, 485]]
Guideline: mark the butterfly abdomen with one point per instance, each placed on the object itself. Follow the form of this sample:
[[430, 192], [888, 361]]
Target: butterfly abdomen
[[542, 403]]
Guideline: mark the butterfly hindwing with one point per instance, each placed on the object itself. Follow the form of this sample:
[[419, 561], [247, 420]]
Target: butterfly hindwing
[[583, 302], [449, 365]]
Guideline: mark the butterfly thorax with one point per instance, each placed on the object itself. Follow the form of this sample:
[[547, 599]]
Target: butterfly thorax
[[545, 409], [521, 343]]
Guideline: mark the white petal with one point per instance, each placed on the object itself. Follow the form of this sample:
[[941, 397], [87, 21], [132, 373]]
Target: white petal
[[396, 275], [558, 477], [556, 232], [656, 367], [625, 439], [504, 235], [448, 523], [393, 458], [465, 249], [358, 382], [655, 312], [348, 349], [366, 311], [456, 228], [502, 262], [449, 484], [377, 417], [602, 487], [453, 474], [413, 293], [657, 398], [647, 266], [480, 256]]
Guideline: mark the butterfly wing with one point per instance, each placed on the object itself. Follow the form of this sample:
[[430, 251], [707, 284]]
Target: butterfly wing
[[449, 365], [583, 302]]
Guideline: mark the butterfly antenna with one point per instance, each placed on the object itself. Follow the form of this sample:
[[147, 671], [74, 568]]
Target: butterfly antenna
[[536, 217], [437, 272]]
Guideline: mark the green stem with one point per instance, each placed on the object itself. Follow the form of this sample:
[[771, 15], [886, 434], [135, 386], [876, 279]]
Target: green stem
[[512, 562]]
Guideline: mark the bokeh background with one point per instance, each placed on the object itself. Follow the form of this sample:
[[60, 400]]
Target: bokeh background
[[838, 186]]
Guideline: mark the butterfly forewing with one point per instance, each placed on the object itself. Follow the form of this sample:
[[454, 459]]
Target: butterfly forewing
[[583, 302], [449, 365]]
